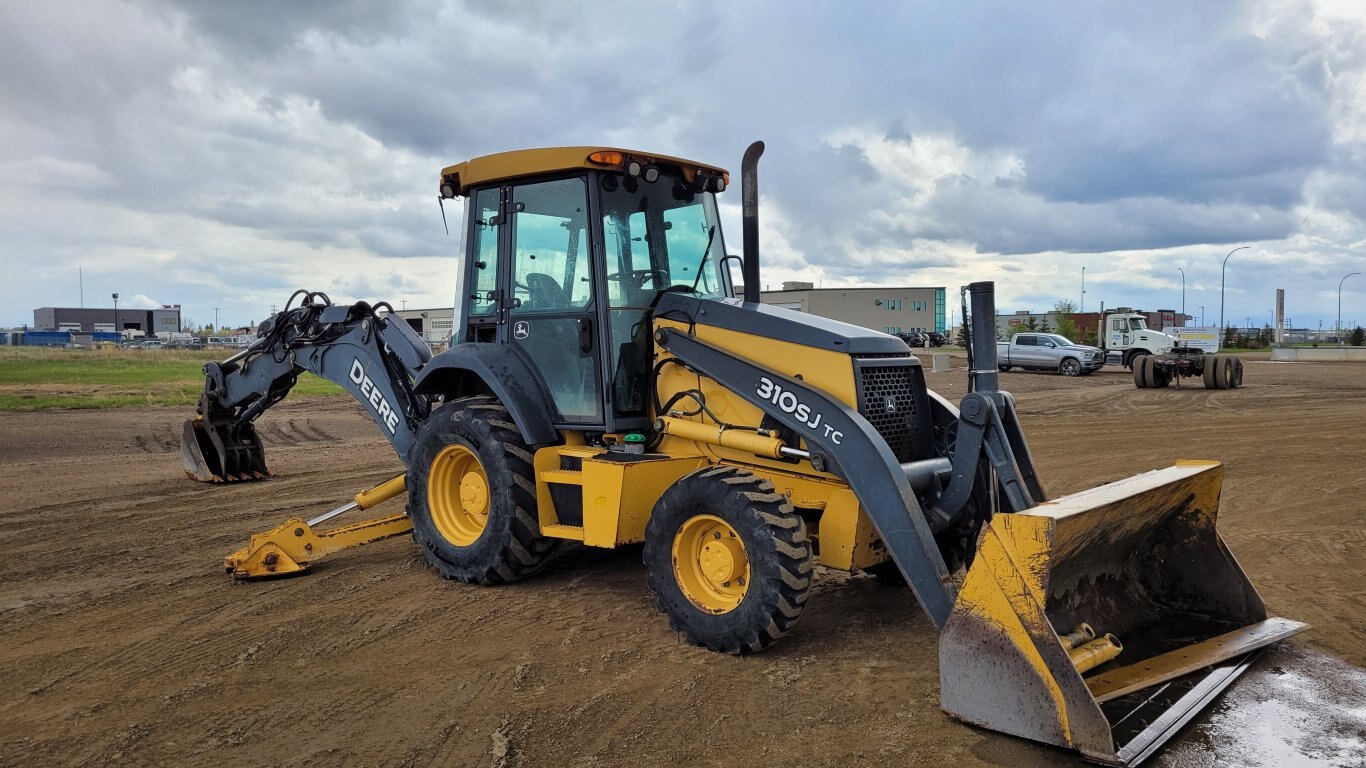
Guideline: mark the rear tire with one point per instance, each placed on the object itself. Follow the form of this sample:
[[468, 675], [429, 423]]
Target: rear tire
[[1207, 373], [472, 495], [1138, 364], [1221, 370], [716, 527], [1237, 381]]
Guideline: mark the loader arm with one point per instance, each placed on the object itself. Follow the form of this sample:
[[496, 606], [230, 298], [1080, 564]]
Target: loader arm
[[846, 445], [374, 356]]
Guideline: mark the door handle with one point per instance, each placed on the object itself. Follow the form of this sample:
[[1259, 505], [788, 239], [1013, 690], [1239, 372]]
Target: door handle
[[585, 335]]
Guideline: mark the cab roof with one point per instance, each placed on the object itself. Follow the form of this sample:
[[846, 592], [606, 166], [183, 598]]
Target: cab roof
[[532, 162]]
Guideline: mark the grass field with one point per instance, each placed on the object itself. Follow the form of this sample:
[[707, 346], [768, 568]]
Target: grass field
[[37, 379]]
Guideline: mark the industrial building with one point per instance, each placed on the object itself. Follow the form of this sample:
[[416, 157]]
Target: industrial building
[[1087, 323], [433, 325], [895, 309], [148, 322]]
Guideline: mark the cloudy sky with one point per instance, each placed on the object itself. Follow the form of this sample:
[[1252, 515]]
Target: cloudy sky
[[222, 154]]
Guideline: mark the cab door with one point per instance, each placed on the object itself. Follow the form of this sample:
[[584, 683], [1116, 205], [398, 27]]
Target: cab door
[[548, 296], [1119, 333]]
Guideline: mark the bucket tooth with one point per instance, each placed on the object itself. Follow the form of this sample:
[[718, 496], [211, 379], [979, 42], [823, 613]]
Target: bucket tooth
[[1138, 559]]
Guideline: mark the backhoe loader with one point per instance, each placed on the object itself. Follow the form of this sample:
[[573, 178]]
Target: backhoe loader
[[605, 385]]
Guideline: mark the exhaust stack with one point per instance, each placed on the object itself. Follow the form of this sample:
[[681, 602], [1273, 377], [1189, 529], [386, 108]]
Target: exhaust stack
[[749, 199]]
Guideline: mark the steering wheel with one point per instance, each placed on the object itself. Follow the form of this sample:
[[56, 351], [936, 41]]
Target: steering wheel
[[638, 277]]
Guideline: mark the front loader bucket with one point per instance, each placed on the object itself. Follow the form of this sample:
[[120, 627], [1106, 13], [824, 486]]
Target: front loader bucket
[[219, 453], [1105, 620]]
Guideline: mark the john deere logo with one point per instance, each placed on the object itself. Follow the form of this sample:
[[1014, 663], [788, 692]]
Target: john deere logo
[[889, 404], [521, 329]]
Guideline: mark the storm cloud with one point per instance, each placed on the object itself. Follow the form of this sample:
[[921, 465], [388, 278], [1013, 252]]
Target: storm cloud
[[223, 154]]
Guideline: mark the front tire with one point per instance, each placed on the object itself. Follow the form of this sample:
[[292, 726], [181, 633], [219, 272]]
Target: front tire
[[728, 560], [472, 495], [1070, 367]]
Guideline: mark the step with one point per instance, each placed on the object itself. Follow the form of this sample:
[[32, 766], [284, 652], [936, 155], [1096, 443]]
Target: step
[[566, 476], [571, 532]]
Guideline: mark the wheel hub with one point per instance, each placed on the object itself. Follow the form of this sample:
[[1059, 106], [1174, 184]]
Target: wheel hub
[[458, 495], [474, 494], [711, 566], [719, 559]]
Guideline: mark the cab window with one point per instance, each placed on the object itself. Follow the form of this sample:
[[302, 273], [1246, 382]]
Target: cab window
[[551, 247]]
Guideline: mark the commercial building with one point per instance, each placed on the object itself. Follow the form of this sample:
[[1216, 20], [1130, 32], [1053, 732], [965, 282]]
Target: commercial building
[[148, 322], [896, 309], [433, 325], [1087, 323]]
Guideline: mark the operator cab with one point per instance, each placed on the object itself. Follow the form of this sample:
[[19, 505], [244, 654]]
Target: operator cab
[[566, 252]]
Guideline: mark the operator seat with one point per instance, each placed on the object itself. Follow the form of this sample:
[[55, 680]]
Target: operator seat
[[546, 292]]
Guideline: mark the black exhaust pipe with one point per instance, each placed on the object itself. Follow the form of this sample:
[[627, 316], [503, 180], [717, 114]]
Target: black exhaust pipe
[[983, 352], [749, 200]]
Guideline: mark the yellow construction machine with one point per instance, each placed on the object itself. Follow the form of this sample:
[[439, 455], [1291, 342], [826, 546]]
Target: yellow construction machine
[[605, 385]]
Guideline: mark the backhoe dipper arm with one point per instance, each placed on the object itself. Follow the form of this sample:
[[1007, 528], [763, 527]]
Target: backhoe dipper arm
[[373, 356]]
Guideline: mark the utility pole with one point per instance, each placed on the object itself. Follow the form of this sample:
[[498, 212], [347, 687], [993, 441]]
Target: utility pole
[[120, 330], [1183, 293], [1083, 288], [215, 319], [80, 278]]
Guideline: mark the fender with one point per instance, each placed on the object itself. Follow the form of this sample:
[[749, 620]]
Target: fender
[[480, 368]]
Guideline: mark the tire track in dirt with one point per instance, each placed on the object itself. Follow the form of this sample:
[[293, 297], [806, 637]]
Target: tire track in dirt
[[124, 642]]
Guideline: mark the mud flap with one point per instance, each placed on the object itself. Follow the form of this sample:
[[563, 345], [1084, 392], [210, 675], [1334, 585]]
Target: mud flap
[[218, 453], [1138, 562]]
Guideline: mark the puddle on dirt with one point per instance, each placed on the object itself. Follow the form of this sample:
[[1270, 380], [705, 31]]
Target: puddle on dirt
[[1292, 708]]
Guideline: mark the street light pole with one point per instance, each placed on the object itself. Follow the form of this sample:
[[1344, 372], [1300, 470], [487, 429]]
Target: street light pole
[[1183, 295], [1202, 317], [119, 330], [1083, 289], [1340, 282], [215, 319], [1221, 285]]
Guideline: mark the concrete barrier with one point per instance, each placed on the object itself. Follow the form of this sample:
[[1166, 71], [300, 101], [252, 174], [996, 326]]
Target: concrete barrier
[[939, 363], [1319, 354]]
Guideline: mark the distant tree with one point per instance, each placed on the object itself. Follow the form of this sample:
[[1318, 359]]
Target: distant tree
[[1230, 336], [1063, 312], [1266, 335], [1358, 336]]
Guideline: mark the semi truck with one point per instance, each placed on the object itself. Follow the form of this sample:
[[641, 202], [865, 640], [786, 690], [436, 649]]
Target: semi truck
[[1157, 360]]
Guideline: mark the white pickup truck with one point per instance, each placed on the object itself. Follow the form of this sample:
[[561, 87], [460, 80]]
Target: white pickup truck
[[1048, 352]]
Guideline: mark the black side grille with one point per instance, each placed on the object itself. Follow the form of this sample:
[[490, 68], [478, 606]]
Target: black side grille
[[887, 399]]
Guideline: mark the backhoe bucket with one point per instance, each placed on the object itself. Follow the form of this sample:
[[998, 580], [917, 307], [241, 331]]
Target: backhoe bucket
[[1105, 620], [218, 453]]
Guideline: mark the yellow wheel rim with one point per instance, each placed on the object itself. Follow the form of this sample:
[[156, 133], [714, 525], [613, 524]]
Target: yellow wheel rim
[[710, 564], [458, 495]]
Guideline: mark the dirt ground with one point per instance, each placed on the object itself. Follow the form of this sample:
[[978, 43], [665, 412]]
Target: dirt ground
[[122, 642]]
